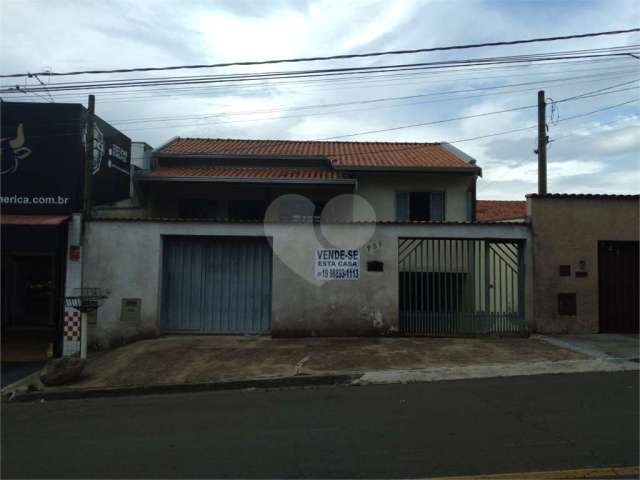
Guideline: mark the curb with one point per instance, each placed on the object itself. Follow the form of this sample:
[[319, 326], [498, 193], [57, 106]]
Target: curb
[[279, 382]]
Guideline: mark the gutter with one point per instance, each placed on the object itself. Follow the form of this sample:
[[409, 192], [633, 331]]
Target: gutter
[[472, 170]]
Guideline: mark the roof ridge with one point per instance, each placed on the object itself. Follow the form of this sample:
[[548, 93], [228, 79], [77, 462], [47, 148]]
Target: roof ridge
[[249, 167], [376, 142]]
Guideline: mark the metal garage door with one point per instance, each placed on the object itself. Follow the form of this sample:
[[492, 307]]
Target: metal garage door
[[216, 285]]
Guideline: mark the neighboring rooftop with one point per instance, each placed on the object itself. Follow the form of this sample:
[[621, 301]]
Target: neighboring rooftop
[[583, 195], [345, 155], [500, 210]]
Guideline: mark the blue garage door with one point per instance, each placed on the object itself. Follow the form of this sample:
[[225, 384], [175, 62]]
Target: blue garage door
[[218, 285]]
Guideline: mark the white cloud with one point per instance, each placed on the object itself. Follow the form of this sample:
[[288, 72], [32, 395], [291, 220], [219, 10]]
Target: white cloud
[[592, 155]]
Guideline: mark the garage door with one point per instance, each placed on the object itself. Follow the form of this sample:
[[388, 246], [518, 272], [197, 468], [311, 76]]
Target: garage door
[[216, 285]]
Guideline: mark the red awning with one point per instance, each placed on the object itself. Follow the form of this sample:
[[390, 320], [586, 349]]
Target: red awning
[[33, 219]]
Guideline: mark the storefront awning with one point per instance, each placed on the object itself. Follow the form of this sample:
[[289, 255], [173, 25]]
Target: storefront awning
[[33, 219]]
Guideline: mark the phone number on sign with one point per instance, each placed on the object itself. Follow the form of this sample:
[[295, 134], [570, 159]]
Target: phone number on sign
[[338, 274]]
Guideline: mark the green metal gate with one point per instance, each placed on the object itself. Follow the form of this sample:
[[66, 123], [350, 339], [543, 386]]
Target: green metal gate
[[461, 287]]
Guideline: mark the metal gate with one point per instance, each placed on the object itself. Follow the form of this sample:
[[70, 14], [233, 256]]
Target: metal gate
[[461, 287], [216, 285], [618, 287]]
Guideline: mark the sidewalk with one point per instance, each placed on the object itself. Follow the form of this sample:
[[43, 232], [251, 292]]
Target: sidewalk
[[177, 362]]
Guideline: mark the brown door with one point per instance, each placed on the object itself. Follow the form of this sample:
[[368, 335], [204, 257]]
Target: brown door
[[618, 286]]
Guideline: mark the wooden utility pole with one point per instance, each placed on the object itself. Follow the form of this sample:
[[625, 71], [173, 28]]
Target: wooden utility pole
[[543, 139], [88, 162]]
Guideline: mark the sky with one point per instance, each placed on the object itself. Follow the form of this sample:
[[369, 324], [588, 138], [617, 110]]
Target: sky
[[597, 153]]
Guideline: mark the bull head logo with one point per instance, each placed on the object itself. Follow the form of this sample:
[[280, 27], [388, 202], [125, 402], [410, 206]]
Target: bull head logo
[[13, 150]]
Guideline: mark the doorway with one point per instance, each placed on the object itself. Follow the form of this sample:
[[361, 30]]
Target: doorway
[[618, 286], [30, 306]]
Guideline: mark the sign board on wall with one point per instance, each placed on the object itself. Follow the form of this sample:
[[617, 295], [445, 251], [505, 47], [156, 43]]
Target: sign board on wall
[[43, 158], [337, 264]]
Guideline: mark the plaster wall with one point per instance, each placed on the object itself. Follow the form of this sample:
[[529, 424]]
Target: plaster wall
[[125, 258], [566, 231], [379, 189]]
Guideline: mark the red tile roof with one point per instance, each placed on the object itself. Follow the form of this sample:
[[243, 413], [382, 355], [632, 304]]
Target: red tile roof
[[495, 210], [246, 172], [341, 154]]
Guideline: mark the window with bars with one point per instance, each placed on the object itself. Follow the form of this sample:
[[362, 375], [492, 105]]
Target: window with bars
[[420, 206]]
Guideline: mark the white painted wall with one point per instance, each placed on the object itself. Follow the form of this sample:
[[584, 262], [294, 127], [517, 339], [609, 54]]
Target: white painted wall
[[125, 258], [379, 189]]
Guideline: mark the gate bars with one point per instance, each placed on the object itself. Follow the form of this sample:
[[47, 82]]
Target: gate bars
[[461, 287]]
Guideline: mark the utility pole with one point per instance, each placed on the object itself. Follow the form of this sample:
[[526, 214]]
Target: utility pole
[[543, 139], [88, 163], [86, 215]]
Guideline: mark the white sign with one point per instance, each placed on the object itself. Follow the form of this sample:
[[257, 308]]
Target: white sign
[[337, 264]]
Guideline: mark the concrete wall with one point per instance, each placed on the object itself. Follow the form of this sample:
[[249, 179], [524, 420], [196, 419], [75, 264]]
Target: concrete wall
[[566, 231], [379, 189], [125, 258]]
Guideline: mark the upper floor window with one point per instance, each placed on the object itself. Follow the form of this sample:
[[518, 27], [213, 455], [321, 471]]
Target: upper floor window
[[420, 206]]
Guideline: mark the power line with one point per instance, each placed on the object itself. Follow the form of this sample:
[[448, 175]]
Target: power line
[[384, 76], [345, 82], [114, 84], [494, 134], [361, 102], [336, 57], [436, 122], [545, 55], [582, 96], [566, 80]]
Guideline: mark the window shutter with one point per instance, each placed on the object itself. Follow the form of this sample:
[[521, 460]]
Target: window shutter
[[437, 206], [402, 206]]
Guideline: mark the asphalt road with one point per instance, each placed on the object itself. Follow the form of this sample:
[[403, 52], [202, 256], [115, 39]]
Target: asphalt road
[[456, 427]]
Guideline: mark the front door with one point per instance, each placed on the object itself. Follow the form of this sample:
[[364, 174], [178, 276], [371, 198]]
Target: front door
[[618, 286]]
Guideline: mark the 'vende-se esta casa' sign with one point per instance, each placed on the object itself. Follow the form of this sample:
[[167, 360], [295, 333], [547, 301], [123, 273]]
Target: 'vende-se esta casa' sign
[[337, 264]]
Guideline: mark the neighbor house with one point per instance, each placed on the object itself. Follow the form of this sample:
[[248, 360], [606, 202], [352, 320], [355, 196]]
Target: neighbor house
[[501, 210], [43, 175], [585, 262], [294, 238]]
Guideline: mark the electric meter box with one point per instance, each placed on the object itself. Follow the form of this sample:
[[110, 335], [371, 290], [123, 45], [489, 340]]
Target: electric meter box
[[131, 310]]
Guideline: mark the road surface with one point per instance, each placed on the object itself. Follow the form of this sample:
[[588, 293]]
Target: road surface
[[460, 427]]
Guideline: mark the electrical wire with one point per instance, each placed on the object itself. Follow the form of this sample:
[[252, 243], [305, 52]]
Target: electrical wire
[[436, 122], [302, 74], [336, 57], [452, 72], [125, 122]]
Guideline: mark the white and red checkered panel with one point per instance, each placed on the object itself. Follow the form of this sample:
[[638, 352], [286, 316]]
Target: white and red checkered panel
[[71, 332]]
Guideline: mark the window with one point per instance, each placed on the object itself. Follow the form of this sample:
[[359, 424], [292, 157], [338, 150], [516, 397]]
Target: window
[[197, 208], [420, 206]]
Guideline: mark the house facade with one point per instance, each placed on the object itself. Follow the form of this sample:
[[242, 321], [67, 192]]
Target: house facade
[[306, 238], [585, 262]]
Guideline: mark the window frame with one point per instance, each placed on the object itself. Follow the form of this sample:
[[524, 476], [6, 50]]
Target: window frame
[[408, 200]]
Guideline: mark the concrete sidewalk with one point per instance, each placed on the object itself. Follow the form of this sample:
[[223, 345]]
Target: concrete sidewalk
[[209, 360]]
